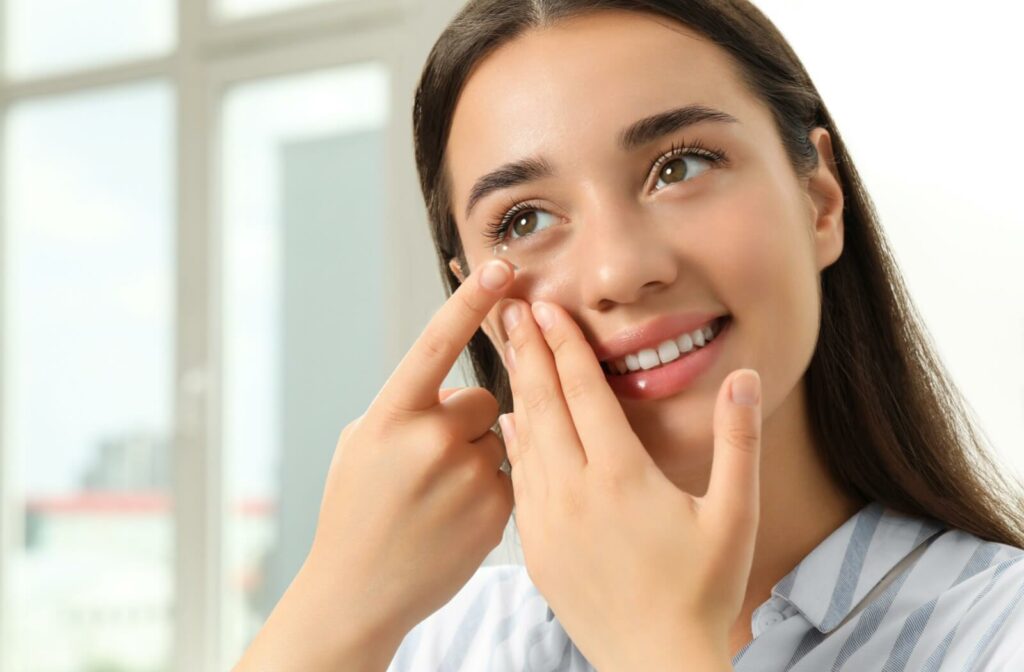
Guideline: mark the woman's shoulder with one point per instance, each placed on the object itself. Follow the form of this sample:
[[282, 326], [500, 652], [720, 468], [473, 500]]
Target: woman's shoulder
[[964, 601], [497, 621]]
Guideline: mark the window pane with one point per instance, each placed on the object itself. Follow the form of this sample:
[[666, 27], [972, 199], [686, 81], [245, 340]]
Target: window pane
[[303, 189], [235, 9], [48, 36], [88, 184]]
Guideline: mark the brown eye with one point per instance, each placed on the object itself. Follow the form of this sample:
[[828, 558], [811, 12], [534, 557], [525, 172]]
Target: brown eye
[[676, 170], [524, 223], [673, 171]]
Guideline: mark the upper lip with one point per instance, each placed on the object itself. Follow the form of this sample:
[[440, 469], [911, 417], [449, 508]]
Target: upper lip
[[651, 334]]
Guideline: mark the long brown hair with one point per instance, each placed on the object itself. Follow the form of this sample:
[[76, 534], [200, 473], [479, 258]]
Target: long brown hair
[[891, 424]]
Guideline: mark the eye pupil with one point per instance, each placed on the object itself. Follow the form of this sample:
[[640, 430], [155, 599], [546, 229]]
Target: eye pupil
[[523, 224], [670, 174]]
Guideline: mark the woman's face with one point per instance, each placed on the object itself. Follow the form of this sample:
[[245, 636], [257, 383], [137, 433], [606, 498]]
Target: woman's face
[[745, 237]]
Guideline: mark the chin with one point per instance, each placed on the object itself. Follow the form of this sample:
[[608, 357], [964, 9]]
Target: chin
[[677, 425]]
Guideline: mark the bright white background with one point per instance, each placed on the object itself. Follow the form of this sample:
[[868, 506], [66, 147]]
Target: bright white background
[[925, 95], [159, 167]]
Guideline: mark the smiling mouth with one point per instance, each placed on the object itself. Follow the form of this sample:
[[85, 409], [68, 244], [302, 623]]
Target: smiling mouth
[[667, 351]]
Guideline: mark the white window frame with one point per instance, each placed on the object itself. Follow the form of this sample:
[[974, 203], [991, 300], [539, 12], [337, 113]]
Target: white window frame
[[210, 56]]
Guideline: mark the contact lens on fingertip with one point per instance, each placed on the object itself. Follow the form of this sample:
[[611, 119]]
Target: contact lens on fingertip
[[501, 250]]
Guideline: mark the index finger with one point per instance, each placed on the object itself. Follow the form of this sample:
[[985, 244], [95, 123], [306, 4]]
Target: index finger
[[414, 383]]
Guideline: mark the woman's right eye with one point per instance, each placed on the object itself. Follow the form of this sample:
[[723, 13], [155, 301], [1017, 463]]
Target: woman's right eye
[[524, 222]]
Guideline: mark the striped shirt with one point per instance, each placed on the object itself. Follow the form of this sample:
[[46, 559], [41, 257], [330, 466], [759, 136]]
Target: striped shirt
[[883, 592]]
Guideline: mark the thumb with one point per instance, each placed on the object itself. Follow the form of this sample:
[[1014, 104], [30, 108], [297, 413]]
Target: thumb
[[733, 495]]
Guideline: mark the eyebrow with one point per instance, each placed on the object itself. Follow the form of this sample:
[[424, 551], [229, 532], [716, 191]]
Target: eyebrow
[[635, 135]]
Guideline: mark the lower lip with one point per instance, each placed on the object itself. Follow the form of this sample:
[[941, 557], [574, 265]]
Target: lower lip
[[670, 378]]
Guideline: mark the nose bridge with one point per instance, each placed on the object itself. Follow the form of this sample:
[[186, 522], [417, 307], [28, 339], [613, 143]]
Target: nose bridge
[[621, 251]]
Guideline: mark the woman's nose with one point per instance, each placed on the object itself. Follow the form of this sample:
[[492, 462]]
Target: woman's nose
[[623, 257]]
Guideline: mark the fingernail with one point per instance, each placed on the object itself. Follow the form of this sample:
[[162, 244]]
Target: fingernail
[[494, 275], [510, 357], [542, 313], [746, 388], [510, 315], [508, 430]]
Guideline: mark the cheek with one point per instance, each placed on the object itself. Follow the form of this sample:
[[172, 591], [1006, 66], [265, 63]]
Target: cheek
[[774, 283], [764, 270], [755, 247]]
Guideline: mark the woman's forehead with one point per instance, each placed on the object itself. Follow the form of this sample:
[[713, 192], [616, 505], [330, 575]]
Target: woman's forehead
[[582, 81]]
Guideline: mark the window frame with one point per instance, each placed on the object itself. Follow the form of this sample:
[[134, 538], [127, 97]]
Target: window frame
[[209, 56]]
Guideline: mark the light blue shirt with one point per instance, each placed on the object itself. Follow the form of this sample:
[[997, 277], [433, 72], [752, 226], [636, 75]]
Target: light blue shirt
[[884, 592]]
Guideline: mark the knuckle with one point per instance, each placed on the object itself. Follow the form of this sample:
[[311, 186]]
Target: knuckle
[[743, 438], [474, 470], [524, 443], [537, 399], [571, 501], [446, 436], [386, 414], [346, 432], [468, 303], [482, 400], [613, 480], [575, 389], [559, 344], [437, 346], [518, 339], [441, 439]]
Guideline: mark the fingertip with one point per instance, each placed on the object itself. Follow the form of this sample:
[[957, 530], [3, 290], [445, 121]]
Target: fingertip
[[496, 275], [506, 426], [745, 388], [543, 314]]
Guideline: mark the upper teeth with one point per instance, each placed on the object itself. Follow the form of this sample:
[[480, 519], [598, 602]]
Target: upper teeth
[[666, 351]]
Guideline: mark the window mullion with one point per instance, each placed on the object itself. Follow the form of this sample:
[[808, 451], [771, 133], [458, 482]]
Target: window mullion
[[198, 498]]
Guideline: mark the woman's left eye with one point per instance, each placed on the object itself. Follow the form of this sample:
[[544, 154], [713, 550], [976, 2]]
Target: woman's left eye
[[676, 169]]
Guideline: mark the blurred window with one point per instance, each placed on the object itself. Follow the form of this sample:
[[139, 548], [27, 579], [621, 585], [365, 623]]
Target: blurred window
[[44, 37], [236, 9], [89, 185], [303, 191]]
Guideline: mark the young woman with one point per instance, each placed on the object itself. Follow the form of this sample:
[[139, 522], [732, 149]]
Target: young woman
[[731, 444]]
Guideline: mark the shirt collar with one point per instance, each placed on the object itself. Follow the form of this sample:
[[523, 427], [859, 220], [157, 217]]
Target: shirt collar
[[833, 578]]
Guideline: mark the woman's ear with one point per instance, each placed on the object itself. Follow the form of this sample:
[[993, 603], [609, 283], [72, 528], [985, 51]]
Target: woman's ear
[[453, 264], [825, 191]]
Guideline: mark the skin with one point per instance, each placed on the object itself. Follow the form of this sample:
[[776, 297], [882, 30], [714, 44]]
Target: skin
[[748, 238]]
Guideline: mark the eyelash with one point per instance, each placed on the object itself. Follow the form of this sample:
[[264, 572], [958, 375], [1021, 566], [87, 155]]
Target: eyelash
[[496, 229]]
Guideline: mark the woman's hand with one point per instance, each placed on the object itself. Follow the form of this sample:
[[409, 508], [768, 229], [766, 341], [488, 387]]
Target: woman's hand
[[639, 573], [414, 501]]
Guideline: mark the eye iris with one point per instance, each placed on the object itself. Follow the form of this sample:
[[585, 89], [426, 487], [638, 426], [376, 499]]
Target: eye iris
[[670, 174], [524, 224]]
